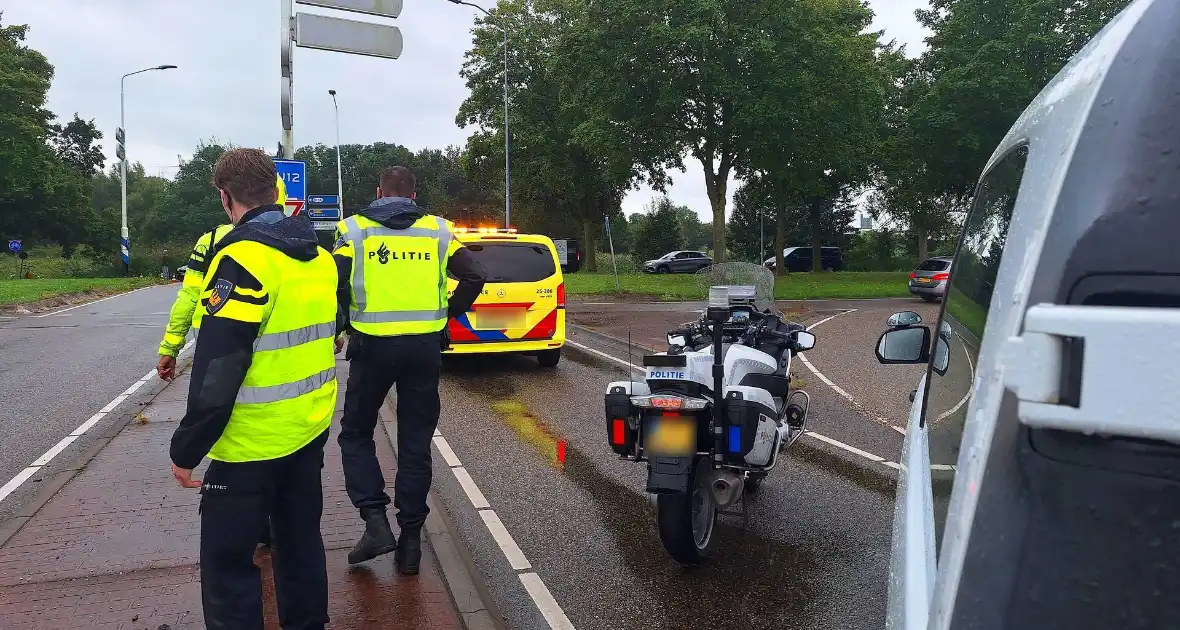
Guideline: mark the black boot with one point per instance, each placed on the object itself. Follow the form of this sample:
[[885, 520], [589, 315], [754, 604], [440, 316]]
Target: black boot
[[377, 539], [409, 552]]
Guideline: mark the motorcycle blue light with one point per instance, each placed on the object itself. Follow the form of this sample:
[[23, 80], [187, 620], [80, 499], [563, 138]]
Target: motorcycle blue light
[[735, 439]]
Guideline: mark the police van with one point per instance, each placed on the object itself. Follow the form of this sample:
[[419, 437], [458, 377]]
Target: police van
[[522, 306], [1039, 484]]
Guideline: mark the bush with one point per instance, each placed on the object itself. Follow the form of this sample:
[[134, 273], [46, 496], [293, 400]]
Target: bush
[[627, 263]]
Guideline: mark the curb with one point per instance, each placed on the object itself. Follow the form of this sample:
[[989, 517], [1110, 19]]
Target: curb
[[472, 598], [54, 483]]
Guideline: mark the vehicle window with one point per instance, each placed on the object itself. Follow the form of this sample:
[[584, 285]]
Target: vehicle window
[[950, 381], [683, 255], [514, 262], [934, 265]]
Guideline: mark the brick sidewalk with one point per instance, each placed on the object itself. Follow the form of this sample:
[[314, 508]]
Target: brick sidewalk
[[117, 547]]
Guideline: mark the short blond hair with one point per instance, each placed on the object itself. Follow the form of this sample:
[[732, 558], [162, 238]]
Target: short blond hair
[[248, 176]]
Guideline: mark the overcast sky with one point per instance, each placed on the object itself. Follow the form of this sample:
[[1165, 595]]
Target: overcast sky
[[227, 84]]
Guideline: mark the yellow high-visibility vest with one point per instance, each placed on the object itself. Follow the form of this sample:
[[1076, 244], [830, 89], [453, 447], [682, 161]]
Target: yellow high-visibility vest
[[184, 314], [289, 393], [399, 277]]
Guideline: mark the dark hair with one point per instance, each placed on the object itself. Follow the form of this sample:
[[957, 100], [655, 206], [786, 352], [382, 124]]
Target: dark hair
[[248, 176], [397, 181]]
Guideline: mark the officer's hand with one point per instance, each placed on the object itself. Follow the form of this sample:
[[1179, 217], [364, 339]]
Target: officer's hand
[[166, 368], [184, 476], [339, 344]]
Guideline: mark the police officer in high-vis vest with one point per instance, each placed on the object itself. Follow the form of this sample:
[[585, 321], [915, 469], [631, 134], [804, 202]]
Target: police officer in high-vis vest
[[260, 403], [185, 315], [393, 259]]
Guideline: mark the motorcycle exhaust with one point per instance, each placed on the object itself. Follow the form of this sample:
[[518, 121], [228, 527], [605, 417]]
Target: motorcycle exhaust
[[727, 488]]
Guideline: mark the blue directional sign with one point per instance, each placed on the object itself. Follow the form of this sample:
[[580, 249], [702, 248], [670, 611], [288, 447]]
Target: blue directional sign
[[323, 208], [294, 174], [14, 245]]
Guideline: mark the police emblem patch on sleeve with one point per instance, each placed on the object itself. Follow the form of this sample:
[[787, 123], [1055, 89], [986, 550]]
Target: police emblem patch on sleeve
[[219, 296]]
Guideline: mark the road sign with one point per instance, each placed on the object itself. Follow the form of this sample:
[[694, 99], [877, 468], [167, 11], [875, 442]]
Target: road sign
[[294, 174], [120, 140], [323, 200], [14, 245], [384, 8], [347, 36], [324, 226], [293, 207]]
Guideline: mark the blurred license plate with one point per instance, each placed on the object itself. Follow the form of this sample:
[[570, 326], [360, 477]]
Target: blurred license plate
[[499, 318], [924, 280], [671, 436]]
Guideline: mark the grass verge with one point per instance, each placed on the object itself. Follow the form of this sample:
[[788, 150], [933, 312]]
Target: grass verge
[[25, 291], [796, 286]]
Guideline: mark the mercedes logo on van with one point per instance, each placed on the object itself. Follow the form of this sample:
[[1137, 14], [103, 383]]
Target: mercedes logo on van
[[501, 293]]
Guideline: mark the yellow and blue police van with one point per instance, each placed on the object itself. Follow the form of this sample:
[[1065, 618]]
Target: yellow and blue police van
[[522, 306]]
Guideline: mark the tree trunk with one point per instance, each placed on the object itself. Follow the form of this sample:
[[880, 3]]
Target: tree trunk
[[715, 186], [589, 231], [923, 244], [815, 211], [780, 239]]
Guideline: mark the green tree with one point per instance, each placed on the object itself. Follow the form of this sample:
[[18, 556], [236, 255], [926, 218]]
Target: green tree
[[659, 232], [554, 169]]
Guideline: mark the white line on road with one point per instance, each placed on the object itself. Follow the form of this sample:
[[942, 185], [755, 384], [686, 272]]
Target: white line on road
[[109, 297], [65, 442], [605, 355], [820, 375], [542, 598]]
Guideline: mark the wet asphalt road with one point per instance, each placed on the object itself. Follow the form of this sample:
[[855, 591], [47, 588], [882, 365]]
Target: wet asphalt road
[[814, 553], [57, 370]]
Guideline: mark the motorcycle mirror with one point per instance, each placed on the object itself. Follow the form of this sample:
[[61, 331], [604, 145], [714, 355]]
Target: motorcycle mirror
[[904, 318], [676, 340], [804, 341]]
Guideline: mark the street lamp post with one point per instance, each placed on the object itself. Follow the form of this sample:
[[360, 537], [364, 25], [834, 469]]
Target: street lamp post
[[507, 177], [125, 234], [339, 176]]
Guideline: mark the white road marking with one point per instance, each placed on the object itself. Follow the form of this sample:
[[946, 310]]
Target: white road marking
[[542, 598], [109, 297], [504, 539], [605, 356], [820, 375], [598, 303], [552, 613], [474, 494], [851, 449], [962, 401], [65, 442], [449, 456], [897, 428]]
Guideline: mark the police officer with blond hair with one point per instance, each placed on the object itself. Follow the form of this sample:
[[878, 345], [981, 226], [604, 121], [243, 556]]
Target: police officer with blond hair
[[393, 260], [260, 402]]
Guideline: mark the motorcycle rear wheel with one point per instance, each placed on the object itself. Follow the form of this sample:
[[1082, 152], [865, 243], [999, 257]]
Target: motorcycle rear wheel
[[686, 521]]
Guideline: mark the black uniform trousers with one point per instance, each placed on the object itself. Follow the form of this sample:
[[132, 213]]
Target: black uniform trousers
[[412, 363], [237, 499]]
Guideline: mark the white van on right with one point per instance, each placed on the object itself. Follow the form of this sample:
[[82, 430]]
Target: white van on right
[[1054, 379]]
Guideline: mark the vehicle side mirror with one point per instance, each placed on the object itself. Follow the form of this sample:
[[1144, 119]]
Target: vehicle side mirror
[[942, 356], [904, 346], [804, 340], [677, 340], [904, 318]]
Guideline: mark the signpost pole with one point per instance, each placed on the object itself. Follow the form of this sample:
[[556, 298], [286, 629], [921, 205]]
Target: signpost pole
[[287, 80], [614, 260]]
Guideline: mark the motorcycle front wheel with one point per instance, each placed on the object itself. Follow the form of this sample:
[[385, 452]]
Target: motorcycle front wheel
[[686, 521]]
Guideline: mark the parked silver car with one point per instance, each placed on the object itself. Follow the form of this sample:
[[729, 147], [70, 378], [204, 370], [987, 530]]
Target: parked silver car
[[930, 278], [678, 262]]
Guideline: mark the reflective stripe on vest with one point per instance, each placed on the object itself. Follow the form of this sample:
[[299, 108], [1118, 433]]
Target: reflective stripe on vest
[[286, 391], [292, 338], [356, 236]]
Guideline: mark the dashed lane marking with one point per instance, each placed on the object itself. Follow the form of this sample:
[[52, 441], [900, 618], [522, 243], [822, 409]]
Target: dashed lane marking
[[65, 442], [533, 584]]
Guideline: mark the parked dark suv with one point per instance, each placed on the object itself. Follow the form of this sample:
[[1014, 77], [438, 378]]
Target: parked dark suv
[[678, 262], [798, 259]]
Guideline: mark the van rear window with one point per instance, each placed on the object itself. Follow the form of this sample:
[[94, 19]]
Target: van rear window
[[514, 262]]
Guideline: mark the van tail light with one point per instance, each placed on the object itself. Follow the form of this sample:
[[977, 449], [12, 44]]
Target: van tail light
[[939, 277], [913, 274], [561, 295]]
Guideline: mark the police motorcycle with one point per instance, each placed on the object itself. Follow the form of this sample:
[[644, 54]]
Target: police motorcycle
[[706, 452]]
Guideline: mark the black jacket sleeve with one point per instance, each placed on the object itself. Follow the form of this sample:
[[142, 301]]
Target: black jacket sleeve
[[471, 275], [224, 350], [343, 291]]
